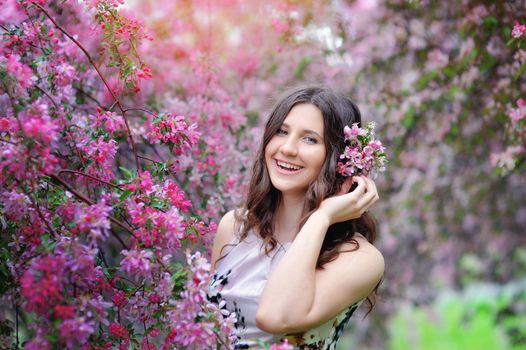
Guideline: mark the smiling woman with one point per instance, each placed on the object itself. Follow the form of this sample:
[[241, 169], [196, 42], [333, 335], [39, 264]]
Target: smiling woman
[[296, 261]]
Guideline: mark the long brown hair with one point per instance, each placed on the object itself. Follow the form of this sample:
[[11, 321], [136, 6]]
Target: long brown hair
[[263, 198]]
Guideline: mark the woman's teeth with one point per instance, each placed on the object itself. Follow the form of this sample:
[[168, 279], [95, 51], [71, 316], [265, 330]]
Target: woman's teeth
[[288, 166]]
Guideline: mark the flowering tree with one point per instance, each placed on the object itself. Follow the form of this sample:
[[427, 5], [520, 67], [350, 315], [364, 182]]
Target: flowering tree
[[78, 185]]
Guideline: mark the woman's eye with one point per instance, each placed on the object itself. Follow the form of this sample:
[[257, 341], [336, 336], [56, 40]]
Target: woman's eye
[[281, 132], [311, 140]]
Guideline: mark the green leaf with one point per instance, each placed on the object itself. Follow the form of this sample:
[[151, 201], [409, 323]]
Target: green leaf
[[157, 203], [488, 61], [422, 83], [519, 72], [302, 66], [490, 21], [126, 173], [125, 195], [409, 119]]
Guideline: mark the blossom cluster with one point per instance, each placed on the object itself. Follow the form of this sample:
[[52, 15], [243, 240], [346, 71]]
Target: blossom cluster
[[363, 154], [173, 131], [518, 30]]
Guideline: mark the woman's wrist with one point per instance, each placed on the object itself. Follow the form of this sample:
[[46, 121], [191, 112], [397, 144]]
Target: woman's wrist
[[322, 217]]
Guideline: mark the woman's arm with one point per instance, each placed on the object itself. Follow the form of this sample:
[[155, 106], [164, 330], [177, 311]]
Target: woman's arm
[[297, 297], [224, 235]]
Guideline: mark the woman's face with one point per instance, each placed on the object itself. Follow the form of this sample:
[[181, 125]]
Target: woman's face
[[295, 154]]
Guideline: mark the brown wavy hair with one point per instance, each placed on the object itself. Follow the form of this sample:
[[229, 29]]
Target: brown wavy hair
[[263, 198]]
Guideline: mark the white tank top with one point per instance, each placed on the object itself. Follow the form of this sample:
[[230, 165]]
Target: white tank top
[[239, 279]]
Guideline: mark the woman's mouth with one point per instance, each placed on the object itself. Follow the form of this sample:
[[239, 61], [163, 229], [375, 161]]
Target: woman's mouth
[[287, 168]]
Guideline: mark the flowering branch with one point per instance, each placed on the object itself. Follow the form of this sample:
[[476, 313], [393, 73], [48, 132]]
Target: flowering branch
[[89, 176], [39, 212], [88, 201], [110, 90], [140, 109], [47, 95], [151, 160]]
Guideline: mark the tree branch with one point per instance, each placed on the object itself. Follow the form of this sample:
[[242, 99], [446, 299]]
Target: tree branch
[[89, 176], [110, 90], [88, 201], [141, 109]]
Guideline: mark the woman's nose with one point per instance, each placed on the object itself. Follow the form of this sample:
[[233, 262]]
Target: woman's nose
[[289, 147]]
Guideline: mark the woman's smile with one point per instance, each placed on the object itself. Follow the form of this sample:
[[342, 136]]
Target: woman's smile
[[287, 168]]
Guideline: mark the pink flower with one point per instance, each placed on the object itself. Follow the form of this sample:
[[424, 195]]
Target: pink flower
[[137, 262], [279, 25], [171, 223], [354, 132], [174, 131], [517, 114], [146, 184], [12, 12], [22, 73], [40, 126], [368, 150], [144, 73], [177, 197], [75, 332], [95, 219], [436, 59], [103, 152], [64, 311], [109, 121], [518, 30], [119, 298], [376, 145], [46, 273], [65, 74], [118, 331], [15, 204], [5, 124]]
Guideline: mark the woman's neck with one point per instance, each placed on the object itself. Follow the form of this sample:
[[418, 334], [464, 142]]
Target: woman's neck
[[287, 218]]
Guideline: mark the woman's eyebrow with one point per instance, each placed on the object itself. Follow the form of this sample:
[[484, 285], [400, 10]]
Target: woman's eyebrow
[[308, 131]]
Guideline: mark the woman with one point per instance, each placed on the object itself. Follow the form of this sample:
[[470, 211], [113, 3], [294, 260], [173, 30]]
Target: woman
[[298, 259]]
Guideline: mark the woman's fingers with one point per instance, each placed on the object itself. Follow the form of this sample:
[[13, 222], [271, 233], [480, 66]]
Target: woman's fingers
[[366, 201], [360, 189], [369, 197], [346, 206], [373, 186]]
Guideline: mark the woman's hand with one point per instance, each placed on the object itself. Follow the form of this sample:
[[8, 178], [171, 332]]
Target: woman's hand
[[347, 206]]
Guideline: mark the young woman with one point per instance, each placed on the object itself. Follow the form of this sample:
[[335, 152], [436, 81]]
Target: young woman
[[298, 259]]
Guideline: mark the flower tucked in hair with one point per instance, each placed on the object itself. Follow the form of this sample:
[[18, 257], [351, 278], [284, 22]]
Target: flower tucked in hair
[[363, 154]]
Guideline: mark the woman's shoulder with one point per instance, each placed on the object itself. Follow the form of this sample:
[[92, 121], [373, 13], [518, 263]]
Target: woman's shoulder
[[365, 254], [226, 230]]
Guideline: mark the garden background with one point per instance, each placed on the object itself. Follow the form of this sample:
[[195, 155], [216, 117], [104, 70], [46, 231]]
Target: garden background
[[128, 129]]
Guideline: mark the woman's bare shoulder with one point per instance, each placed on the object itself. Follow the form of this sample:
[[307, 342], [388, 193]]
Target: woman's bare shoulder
[[366, 253], [363, 245], [225, 234]]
